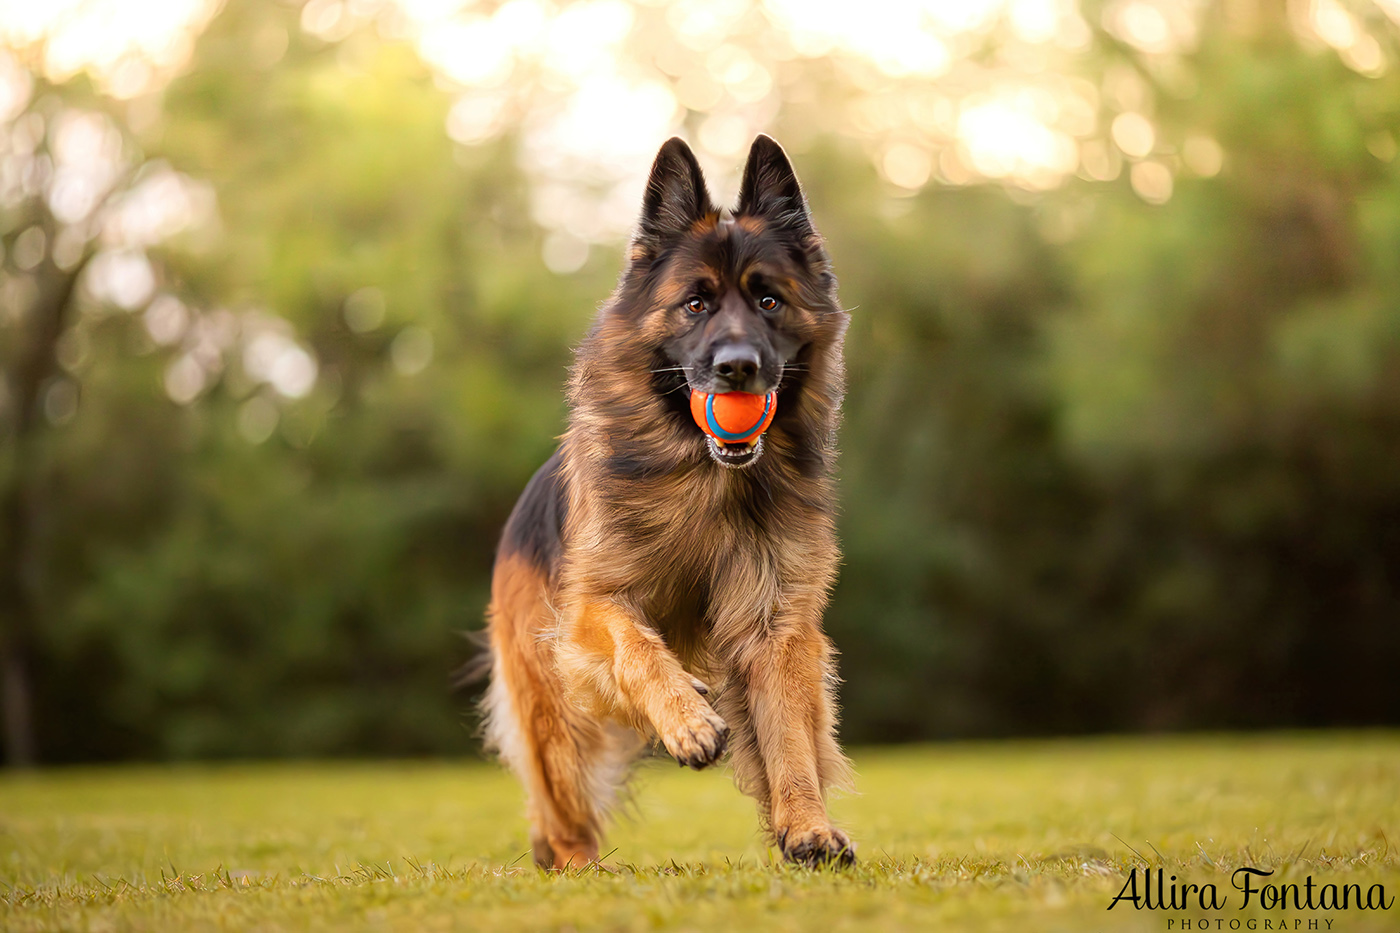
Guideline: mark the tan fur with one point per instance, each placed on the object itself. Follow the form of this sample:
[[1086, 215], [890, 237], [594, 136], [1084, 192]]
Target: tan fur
[[570, 764]]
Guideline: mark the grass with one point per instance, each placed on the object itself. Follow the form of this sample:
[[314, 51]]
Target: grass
[[1018, 836]]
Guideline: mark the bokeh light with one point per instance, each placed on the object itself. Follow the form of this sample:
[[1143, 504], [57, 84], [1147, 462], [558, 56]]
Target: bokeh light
[[589, 89], [130, 48], [593, 86]]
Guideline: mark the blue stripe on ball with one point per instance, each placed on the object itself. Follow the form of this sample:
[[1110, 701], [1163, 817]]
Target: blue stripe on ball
[[724, 435]]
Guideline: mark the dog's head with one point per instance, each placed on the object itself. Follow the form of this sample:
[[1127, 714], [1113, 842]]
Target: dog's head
[[737, 303]]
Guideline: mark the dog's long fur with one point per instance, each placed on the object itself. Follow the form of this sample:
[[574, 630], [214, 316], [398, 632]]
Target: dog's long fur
[[644, 586]]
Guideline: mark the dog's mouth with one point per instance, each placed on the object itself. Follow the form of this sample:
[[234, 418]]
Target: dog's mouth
[[732, 454], [735, 456]]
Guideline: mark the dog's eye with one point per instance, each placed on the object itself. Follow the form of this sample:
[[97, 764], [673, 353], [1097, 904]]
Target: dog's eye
[[695, 305], [768, 303]]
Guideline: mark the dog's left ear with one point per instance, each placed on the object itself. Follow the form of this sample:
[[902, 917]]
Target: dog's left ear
[[770, 189]]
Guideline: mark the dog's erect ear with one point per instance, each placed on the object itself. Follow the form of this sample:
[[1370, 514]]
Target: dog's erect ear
[[770, 189], [676, 195]]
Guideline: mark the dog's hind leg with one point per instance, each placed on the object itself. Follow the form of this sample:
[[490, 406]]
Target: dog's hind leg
[[570, 765]]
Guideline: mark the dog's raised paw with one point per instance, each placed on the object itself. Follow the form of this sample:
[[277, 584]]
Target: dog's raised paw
[[818, 847], [700, 741]]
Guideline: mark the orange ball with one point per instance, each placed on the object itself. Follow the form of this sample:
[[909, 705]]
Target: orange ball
[[733, 417]]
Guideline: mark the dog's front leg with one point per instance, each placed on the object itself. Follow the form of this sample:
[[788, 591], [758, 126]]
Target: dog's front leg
[[613, 664], [788, 678]]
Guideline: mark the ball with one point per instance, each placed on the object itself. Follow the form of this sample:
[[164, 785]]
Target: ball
[[733, 417]]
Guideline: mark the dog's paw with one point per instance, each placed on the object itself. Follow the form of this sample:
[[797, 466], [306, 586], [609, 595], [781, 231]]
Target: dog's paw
[[699, 740], [817, 847]]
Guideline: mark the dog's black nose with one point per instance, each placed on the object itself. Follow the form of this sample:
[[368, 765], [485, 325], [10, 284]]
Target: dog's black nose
[[736, 364]]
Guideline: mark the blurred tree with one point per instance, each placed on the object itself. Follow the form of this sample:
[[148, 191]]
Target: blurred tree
[[69, 166], [1144, 484], [1229, 376], [356, 374], [1120, 425]]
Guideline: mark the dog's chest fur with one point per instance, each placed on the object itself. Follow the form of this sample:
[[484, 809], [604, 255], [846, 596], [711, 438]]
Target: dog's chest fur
[[700, 550]]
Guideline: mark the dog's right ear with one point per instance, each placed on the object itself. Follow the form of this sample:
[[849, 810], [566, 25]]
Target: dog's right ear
[[675, 198]]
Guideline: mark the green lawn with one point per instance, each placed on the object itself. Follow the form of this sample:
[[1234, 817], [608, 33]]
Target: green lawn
[[1021, 836]]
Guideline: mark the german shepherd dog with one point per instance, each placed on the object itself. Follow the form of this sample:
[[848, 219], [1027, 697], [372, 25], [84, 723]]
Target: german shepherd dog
[[655, 583]]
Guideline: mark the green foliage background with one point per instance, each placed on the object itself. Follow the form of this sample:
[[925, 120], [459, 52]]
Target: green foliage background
[[1106, 465]]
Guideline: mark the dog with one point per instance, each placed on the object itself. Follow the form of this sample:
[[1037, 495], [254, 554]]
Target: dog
[[653, 582]]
